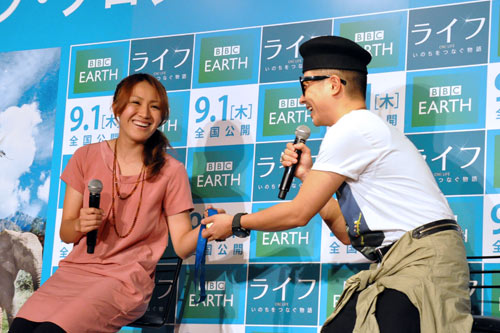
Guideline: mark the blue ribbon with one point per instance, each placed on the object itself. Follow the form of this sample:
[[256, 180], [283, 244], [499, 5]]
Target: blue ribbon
[[199, 266]]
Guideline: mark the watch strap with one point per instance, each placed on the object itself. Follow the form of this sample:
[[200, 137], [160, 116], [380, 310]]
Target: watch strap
[[236, 224]]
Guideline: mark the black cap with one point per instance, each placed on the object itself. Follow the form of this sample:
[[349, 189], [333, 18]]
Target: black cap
[[334, 52]]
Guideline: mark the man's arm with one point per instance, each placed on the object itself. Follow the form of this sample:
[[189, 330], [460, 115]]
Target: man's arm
[[332, 215], [315, 192]]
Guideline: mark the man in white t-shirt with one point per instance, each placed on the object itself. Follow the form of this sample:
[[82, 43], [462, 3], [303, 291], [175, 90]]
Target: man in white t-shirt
[[388, 206]]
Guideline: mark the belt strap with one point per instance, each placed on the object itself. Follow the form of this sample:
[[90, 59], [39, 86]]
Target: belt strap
[[381, 251], [433, 227], [420, 232]]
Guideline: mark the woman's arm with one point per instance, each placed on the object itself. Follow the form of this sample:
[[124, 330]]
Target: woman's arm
[[77, 221], [184, 237]]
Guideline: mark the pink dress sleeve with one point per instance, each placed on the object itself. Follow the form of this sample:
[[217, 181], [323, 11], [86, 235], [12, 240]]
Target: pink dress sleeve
[[73, 173], [178, 195]]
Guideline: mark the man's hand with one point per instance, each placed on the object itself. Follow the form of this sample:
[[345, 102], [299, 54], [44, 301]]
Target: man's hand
[[290, 155], [219, 227]]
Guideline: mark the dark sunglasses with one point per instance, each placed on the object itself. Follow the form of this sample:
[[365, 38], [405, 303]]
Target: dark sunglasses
[[303, 79]]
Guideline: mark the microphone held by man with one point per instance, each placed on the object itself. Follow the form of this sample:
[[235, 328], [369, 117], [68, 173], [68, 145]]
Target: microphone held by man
[[302, 133]]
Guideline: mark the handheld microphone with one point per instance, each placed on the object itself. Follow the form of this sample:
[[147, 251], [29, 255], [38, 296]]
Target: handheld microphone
[[95, 188], [301, 135]]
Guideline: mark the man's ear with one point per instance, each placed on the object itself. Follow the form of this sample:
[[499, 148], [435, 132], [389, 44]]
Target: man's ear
[[335, 84]]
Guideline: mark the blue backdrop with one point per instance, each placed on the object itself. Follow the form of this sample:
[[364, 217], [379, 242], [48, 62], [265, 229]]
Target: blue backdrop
[[231, 70]]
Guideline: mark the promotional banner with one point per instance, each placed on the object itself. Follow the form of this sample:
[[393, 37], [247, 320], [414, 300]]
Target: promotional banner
[[231, 72]]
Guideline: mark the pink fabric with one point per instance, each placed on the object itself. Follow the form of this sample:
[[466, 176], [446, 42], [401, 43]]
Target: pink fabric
[[103, 291]]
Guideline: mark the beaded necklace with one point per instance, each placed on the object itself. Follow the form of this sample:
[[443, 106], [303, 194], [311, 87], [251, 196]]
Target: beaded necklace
[[116, 193]]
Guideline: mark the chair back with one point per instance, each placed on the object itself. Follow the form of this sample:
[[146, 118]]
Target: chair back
[[164, 294], [484, 323]]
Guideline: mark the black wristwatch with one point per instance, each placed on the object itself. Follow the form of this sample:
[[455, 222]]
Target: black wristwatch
[[238, 231]]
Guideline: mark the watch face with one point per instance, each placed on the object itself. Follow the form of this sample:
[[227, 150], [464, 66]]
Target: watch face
[[239, 232]]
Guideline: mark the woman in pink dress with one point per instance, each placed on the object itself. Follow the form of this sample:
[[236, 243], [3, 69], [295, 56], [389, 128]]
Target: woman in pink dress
[[145, 196]]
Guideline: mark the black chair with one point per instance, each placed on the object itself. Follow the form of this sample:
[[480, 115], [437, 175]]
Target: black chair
[[483, 324], [164, 294]]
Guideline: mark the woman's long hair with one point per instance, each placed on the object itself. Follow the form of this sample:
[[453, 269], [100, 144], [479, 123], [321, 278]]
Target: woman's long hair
[[155, 147]]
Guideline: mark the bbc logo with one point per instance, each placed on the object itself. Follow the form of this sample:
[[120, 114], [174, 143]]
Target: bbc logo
[[226, 50], [98, 63], [369, 36], [215, 285], [220, 166], [445, 91], [288, 103]]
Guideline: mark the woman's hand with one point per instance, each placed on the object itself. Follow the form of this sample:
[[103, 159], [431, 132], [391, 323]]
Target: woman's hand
[[219, 210], [90, 219]]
